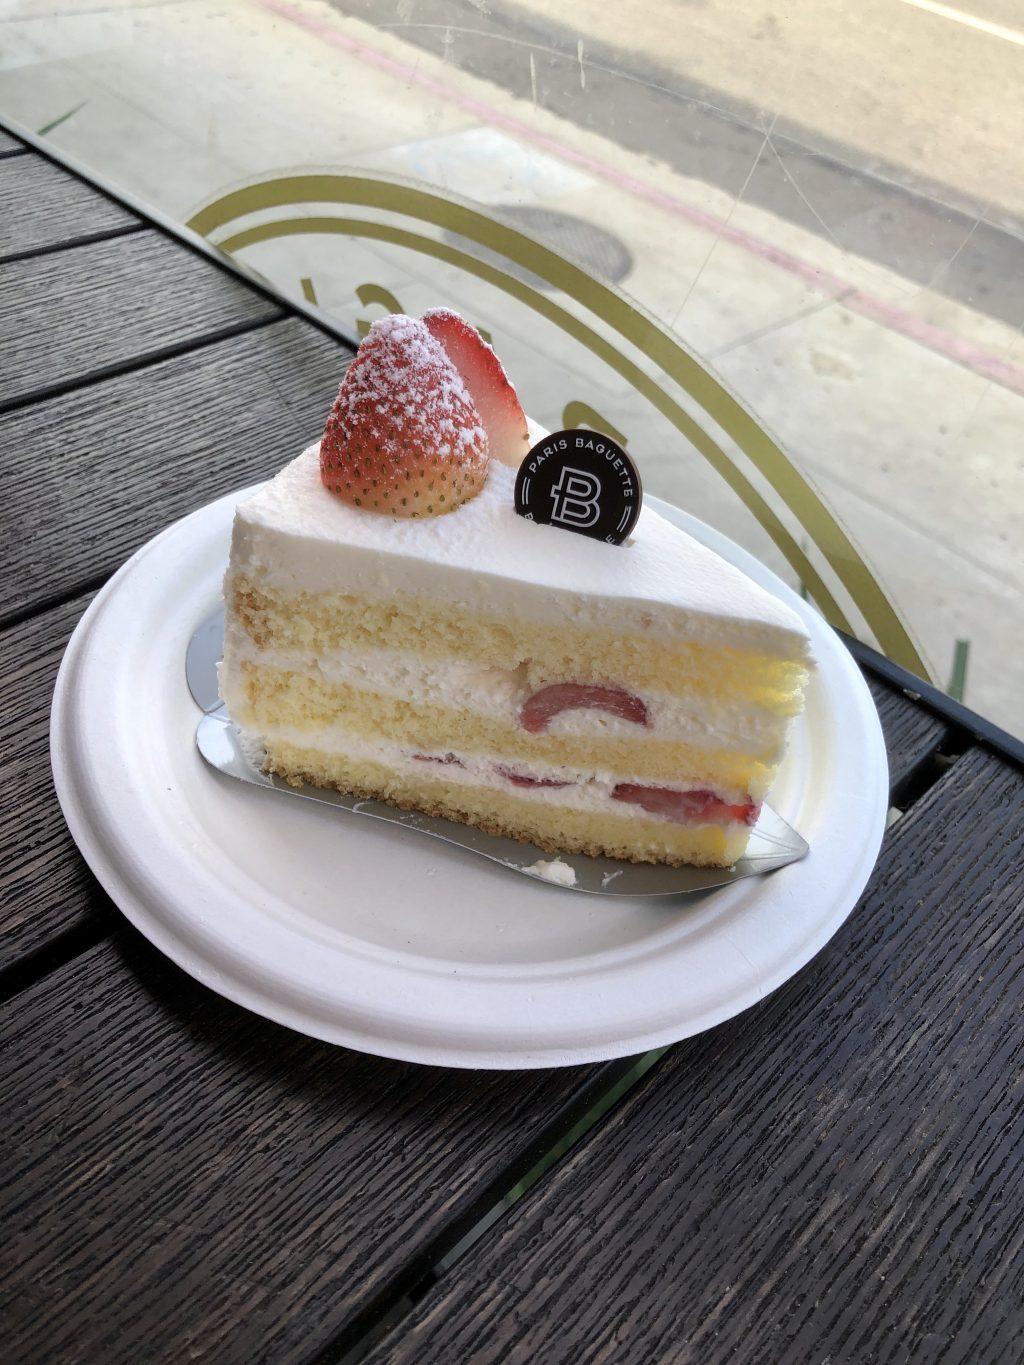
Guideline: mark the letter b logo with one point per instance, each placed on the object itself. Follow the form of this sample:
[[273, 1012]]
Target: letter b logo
[[597, 495], [575, 497]]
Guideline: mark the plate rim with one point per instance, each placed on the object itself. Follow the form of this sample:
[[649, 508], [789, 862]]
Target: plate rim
[[114, 872]]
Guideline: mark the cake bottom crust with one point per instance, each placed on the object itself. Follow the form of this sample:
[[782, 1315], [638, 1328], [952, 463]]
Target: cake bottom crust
[[555, 829]]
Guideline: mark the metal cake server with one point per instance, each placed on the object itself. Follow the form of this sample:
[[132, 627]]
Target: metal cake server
[[773, 844]]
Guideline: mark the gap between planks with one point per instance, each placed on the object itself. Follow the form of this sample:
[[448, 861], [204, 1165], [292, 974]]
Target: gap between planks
[[69, 244], [140, 362], [56, 953], [79, 589]]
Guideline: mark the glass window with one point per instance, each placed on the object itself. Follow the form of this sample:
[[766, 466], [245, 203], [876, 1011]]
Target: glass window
[[777, 251]]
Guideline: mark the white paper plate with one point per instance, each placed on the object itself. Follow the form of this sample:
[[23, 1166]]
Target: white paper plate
[[376, 938]]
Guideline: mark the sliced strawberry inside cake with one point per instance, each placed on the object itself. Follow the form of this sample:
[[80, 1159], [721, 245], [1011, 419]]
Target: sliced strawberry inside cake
[[395, 629]]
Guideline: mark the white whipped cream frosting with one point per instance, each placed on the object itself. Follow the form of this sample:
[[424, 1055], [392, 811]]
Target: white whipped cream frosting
[[484, 558], [556, 872]]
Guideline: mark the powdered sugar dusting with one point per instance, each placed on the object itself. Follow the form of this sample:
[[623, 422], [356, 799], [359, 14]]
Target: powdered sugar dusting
[[401, 368], [404, 435]]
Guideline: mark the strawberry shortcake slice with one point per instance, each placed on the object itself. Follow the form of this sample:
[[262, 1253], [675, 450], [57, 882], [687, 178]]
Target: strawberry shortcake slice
[[396, 630]]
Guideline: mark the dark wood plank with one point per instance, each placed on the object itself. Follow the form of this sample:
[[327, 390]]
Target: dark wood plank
[[835, 1175], [42, 206], [967, 726], [45, 887], [91, 475], [912, 734], [74, 314], [9, 143], [182, 1179], [270, 391]]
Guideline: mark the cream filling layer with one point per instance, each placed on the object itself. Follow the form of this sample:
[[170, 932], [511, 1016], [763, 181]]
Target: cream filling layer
[[498, 694], [586, 791]]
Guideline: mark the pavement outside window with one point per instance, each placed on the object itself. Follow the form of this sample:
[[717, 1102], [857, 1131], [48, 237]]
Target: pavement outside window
[[824, 204]]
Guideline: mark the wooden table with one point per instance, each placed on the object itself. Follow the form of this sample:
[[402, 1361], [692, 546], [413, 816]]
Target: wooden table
[[836, 1175]]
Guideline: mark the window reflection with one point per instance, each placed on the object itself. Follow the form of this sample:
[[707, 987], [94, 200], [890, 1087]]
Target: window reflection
[[824, 206]]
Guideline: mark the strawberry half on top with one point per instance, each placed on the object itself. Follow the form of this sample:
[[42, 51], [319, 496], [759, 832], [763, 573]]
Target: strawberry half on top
[[489, 386], [404, 437]]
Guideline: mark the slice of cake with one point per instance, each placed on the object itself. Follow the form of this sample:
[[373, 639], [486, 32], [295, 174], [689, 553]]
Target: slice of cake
[[396, 630]]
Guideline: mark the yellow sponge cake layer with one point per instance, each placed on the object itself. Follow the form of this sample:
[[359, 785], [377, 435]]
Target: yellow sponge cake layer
[[553, 828], [327, 622], [267, 699]]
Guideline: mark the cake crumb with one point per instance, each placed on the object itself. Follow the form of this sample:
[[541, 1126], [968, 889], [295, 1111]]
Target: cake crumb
[[610, 877], [561, 874]]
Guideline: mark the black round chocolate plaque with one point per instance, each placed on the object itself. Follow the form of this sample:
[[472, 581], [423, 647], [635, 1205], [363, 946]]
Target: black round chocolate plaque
[[582, 481]]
